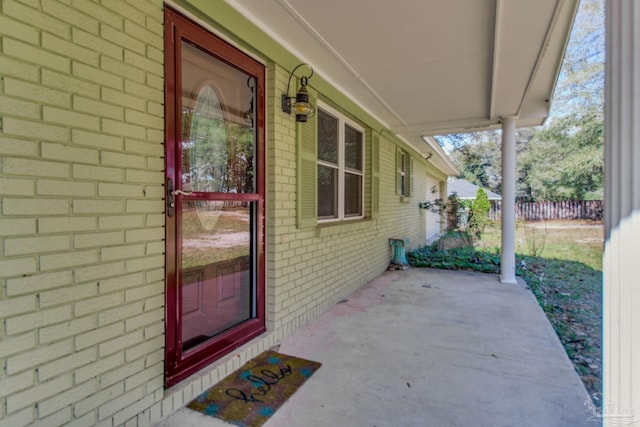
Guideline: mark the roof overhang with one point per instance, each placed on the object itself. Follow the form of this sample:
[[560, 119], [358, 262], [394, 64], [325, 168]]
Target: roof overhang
[[428, 67]]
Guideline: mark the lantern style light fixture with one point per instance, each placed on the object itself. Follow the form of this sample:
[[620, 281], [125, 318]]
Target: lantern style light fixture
[[301, 107]]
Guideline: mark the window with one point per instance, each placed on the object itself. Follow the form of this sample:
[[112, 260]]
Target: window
[[403, 175], [340, 167]]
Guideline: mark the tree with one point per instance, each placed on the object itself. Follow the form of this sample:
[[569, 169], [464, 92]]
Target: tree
[[479, 216], [564, 158]]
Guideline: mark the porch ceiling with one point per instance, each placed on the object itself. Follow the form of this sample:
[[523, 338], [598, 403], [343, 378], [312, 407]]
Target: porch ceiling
[[429, 67]]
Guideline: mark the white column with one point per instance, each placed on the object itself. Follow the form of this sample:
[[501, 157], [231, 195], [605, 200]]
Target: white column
[[621, 263], [508, 249]]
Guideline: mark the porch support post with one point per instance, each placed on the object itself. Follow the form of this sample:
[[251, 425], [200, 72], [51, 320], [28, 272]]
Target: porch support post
[[508, 250], [621, 262]]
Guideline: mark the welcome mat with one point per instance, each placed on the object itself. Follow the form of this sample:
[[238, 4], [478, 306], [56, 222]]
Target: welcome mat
[[250, 395]]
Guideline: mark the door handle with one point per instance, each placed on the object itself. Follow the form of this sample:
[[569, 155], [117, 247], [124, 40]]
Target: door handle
[[183, 193], [171, 204]]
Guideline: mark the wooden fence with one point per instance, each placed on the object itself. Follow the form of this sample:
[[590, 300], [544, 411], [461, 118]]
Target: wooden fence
[[538, 211]]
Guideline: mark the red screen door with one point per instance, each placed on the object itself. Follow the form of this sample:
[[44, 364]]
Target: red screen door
[[214, 195]]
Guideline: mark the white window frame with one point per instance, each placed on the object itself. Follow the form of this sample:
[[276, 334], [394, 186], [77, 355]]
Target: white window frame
[[342, 122]]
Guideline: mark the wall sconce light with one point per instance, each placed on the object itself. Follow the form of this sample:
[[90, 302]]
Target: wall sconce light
[[301, 107]]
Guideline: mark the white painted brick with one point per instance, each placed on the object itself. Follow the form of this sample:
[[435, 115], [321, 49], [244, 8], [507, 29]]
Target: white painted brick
[[87, 420], [120, 190], [14, 345], [122, 252], [99, 335], [66, 224], [144, 320], [122, 8], [11, 227], [15, 383], [17, 266], [35, 18], [149, 177], [35, 283], [147, 93], [91, 240], [16, 187], [66, 260], [155, 248], [153, 331], [82, 38], [122, 282], [102, 14], [119, 314], [120, 222], [70, 84], [60, 418], [40, 355], [132, 410], [82, 206], [128, 72], [72, 50], [36, 92], [144, 235], [149, 206], [123, 129], [71, 15], [120, 343], [18, 147], [142, 292], [144, 376], [141, 33], [39, 206], [156, 275], [121, 402], [65, 188], [66, 398], [17, 305], [143, 63], [22, 418], [98, 173], [28, 397], [27, 322], [19, 108], [84, 406], [155, 108], [145, 147], [94, 305], [66, 295], [120, 374], [67, 329], [94, 369], [97, 108], [15, 166], [34, 130], [66, 364], [17, 68], [122, 39], [154, 135], [144, 263], [97, 140], [145, 348], [69, 153], [99, 271], [35, 55], [122, 160], [143, 119], [13, 28]]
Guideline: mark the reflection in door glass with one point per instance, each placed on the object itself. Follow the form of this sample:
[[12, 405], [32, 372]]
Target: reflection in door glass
[[216, 268], [218, 131]]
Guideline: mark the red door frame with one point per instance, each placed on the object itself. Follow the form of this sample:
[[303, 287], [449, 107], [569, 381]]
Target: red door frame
[[178, 365]]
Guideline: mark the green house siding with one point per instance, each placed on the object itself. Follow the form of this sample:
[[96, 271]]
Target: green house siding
[[82, 211]]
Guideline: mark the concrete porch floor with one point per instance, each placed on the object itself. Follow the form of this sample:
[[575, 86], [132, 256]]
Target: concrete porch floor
[[425, 347]]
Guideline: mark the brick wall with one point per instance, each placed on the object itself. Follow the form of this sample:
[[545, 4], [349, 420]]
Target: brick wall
[[81, 225]]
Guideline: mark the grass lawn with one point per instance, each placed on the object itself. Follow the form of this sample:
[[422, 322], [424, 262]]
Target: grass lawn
[[561, 261]]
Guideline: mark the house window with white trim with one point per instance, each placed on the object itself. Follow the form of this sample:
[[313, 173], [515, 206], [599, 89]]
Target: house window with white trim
[[340, 167], [403, 174]]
